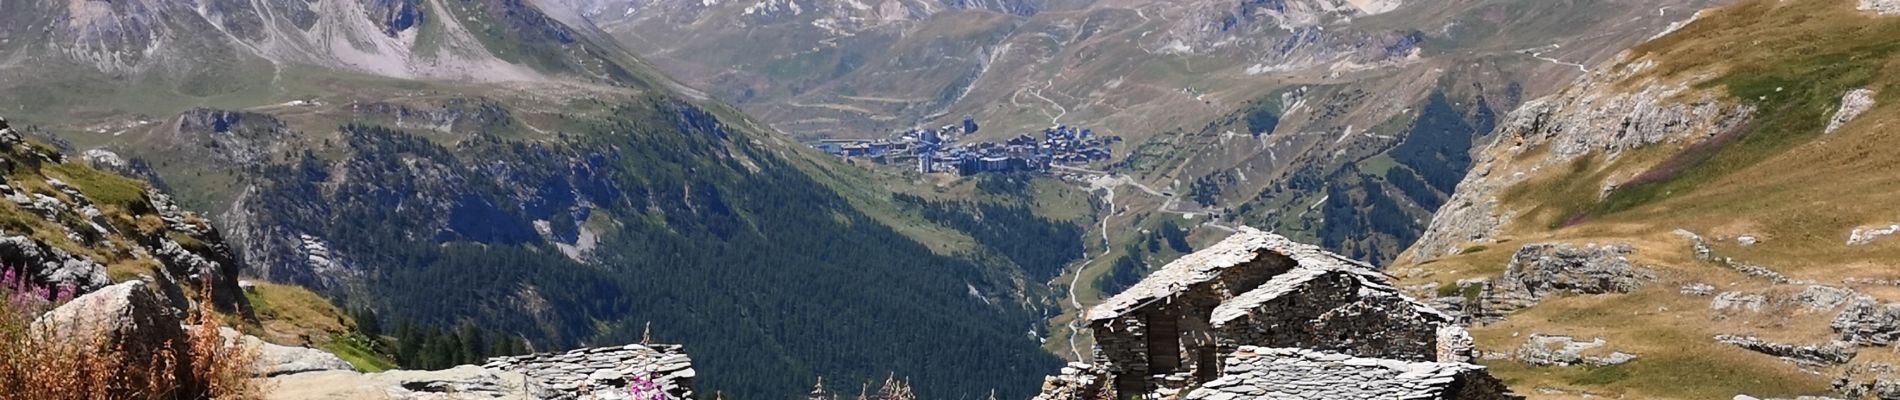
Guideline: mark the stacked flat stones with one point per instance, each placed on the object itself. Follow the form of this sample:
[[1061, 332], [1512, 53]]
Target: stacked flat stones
[[1272, 373], [604, 372], [1076, 381]]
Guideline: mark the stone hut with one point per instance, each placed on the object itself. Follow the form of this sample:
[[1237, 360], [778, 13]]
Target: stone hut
[[1184, 325]]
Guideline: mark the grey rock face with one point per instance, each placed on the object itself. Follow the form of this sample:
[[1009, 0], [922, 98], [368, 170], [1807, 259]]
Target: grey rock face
[[1832, 353], [1592, 116], [1542, 270], [52, 267], [1566, 351]]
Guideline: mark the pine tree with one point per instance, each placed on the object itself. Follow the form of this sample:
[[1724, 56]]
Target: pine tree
[[472, 344]]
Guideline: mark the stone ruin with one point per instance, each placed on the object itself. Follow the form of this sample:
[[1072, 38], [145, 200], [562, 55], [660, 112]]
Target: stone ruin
[[1259, 314]]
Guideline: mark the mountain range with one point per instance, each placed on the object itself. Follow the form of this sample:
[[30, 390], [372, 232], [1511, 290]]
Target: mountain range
[[1698, 189], [502, 163]]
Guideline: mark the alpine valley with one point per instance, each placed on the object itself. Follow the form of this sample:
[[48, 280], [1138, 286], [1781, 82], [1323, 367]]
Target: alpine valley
[[956, 199]]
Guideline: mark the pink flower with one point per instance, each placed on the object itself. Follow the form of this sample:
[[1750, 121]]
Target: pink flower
[[643, 388]]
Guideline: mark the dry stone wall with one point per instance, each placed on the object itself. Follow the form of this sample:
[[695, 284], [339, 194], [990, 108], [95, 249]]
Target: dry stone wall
[[1272, 373]]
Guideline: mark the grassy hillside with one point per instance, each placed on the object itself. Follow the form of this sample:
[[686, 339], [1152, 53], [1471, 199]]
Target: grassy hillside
[[1778, 180]]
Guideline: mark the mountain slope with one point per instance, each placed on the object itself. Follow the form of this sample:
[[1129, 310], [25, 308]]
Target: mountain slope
[[70, 227], [1240, 105], [1738, 159], [494, 162]]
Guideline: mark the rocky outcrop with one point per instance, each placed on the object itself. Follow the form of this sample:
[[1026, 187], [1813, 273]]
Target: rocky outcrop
[[1884, 7], [1567, 351], [1818, 297], [51, 266], [466, 382], [604, 373], [131, 319], [1868, 323], [1738, 301], [1853, 104], [1865, 235], [1597, 114], [130, 224], [1204, 319], [1542, 270], [276, 360], [1832, 353], [604, 369], [1870, 380]]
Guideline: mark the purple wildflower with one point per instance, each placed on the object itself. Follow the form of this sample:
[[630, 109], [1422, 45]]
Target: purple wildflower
[[643, 388]]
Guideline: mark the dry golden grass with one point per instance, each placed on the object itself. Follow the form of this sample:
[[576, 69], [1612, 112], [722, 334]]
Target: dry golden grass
[[38, 364], [1797, 190]]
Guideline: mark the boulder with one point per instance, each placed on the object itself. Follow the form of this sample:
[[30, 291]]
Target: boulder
[[128, 317]]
